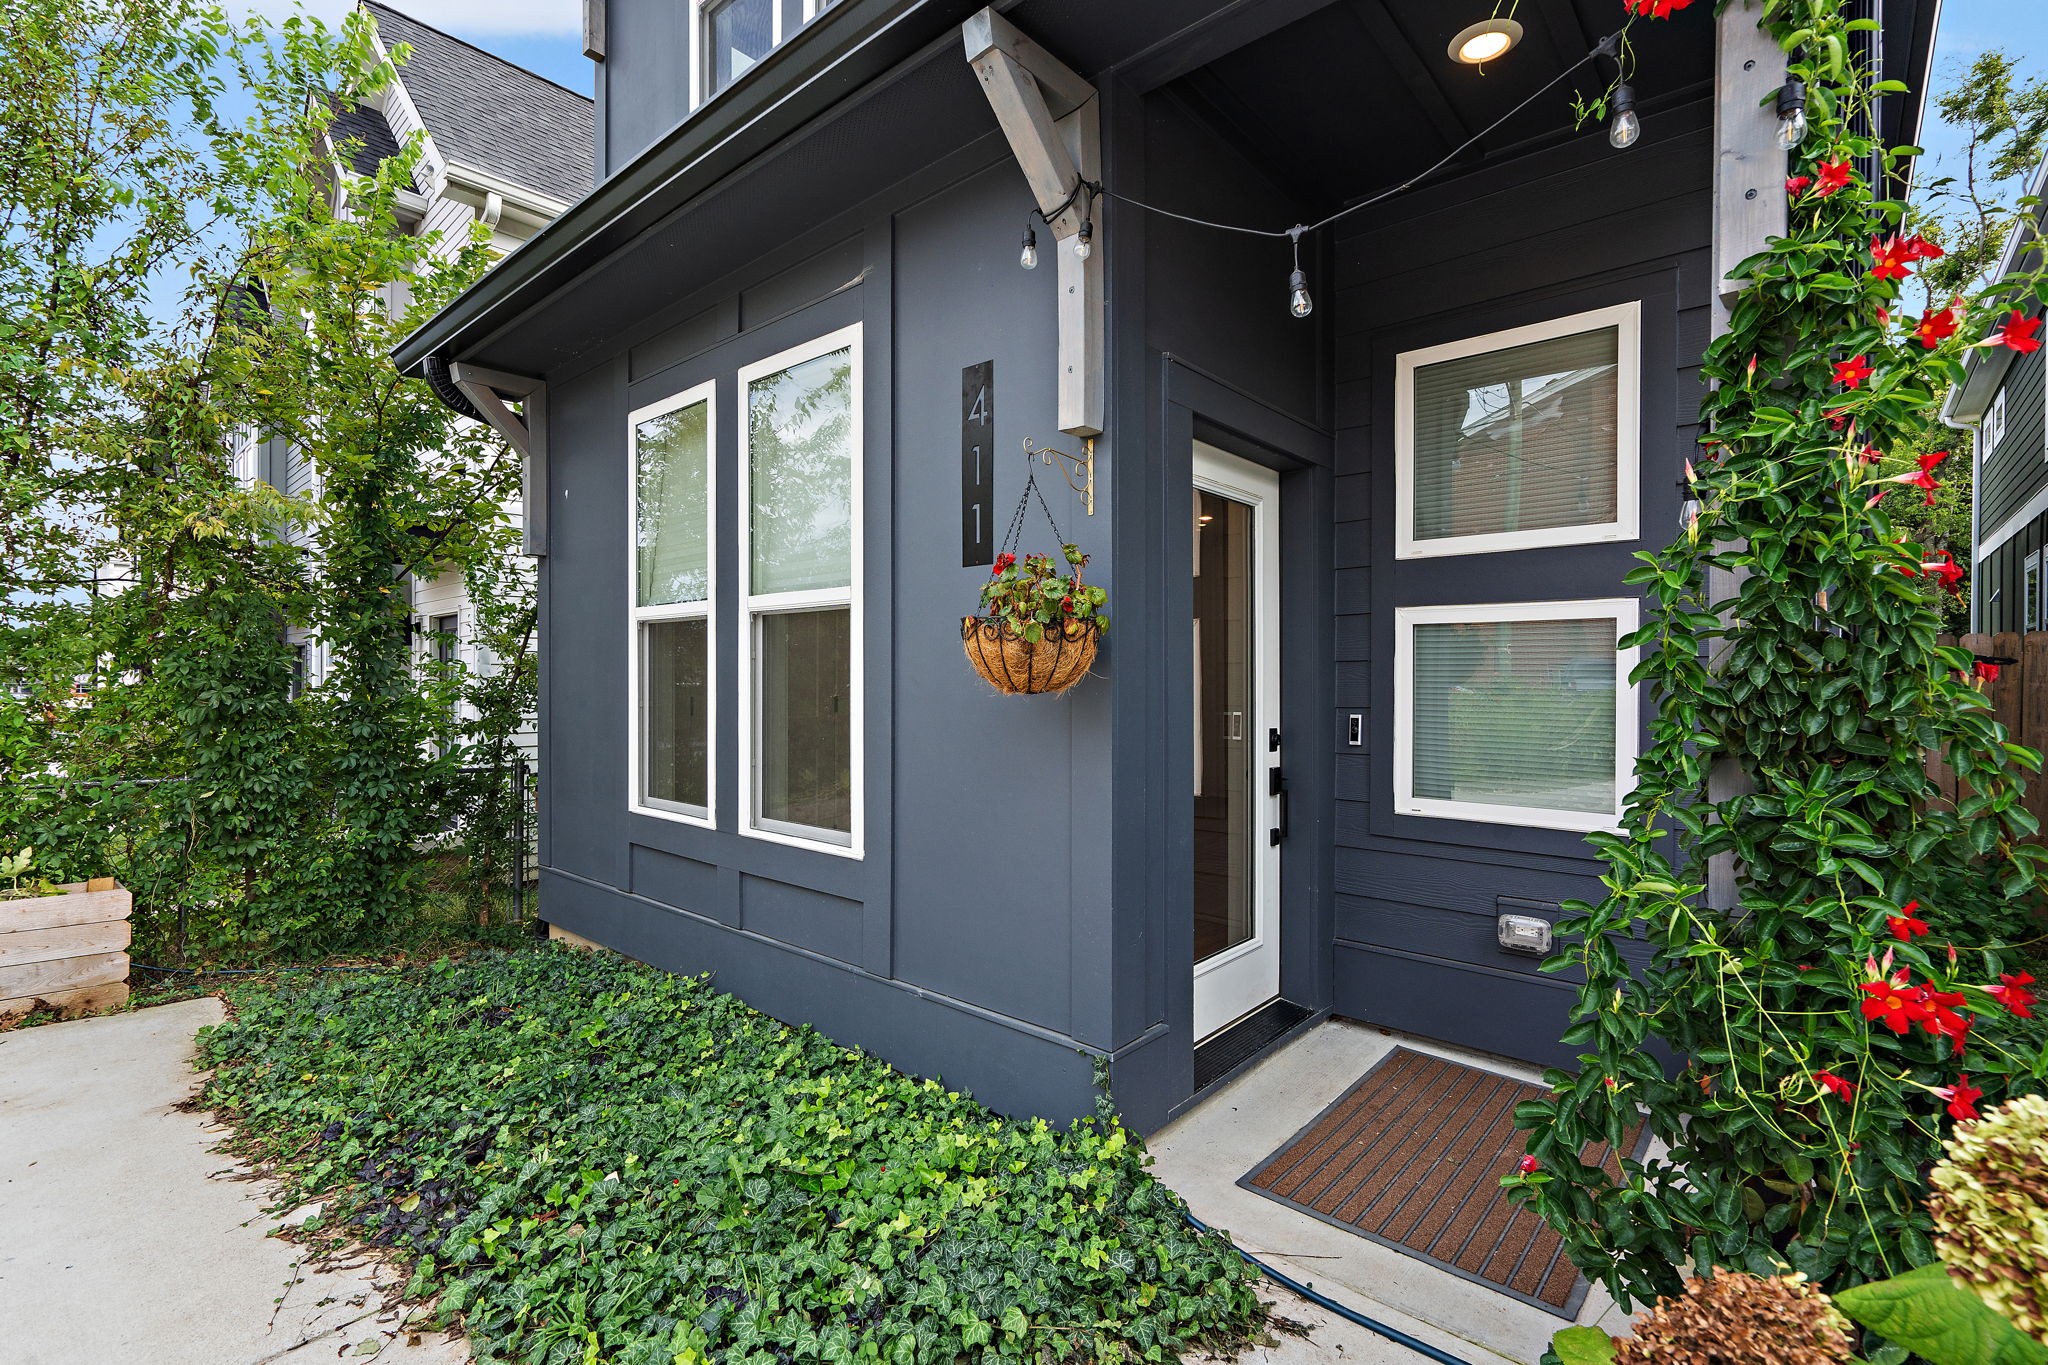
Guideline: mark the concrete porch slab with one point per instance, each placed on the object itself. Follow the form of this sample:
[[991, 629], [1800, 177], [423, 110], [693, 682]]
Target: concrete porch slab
[[128, 1238], [1203, 1153]]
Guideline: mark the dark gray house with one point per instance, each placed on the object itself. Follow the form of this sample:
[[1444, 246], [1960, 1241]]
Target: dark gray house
[[1363, 530], [2003, 400]]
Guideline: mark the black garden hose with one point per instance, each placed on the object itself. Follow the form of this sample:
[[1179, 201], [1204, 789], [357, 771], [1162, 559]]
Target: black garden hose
[[1352, 1315]]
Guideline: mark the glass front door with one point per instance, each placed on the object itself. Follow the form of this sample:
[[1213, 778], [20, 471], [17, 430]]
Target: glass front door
[[1235, 640]]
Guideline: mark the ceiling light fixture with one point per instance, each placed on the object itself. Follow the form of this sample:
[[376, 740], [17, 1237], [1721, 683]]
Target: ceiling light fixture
[[1484, 41]]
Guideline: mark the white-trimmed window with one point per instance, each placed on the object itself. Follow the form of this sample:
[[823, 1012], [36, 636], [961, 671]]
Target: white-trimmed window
[[1522, 438], [1992, 430], [800, 598], [673, 641], [1515, 713], [732, 37]]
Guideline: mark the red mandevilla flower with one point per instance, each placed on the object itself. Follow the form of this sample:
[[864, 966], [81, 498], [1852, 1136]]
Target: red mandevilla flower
[[1834, 175], [1835, 1085], [1851, 373], [1985, 672], [1923, 478], [1528, 1165], [1947, 570], [1942, 1020], [1796, 183], [1936, 328], [1918, 248], [2020, 333], [1891, 258], [1962, 1097], [1894, 1003], [1906, 926], [2011, 992]]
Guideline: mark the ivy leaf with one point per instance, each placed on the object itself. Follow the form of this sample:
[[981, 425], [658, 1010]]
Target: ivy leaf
[[1932, 1316]]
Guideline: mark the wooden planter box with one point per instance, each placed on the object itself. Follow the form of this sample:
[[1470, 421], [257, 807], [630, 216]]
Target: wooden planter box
[[65, 952]]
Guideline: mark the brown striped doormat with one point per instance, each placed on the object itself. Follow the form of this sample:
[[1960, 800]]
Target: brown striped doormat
[[1411, 1157]]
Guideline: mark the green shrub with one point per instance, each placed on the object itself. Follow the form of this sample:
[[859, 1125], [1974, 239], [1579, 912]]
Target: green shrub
[[590, 1159]]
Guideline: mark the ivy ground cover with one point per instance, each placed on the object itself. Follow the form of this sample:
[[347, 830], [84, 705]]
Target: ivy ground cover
[[587, 1159]]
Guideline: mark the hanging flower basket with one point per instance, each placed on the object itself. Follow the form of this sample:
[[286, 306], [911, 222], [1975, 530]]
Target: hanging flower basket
[[1017, 666], [1040, 624]]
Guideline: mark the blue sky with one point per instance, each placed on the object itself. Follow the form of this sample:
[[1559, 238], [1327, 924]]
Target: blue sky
[[1968, 28]]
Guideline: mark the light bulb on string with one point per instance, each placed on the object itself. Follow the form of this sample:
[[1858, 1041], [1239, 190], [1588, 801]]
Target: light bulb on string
[[1084, 241], [1028, 257], [1791, 114], [1298, 301], [1625, 127]]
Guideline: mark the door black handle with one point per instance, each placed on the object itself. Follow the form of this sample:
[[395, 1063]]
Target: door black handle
[[1277, 786]]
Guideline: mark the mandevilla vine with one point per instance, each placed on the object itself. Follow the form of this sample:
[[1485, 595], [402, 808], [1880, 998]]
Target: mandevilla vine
[[1801, 1050]]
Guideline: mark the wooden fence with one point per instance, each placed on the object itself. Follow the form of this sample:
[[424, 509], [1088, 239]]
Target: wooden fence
[[2019, 699]]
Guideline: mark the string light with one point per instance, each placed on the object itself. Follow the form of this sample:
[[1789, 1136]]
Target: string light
[[1623, 131], [1624, 128], [1298, 301], [1791, 113]]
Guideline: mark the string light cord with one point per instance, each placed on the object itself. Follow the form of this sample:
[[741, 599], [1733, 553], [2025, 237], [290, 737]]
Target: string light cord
[[1609, 47]]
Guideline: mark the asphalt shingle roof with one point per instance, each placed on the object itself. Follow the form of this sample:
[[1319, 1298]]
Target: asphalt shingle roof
[[485, 112], [362, 132]]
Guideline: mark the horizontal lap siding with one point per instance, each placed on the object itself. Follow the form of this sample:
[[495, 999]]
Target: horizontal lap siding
[[1416, 898], [2014, 470]]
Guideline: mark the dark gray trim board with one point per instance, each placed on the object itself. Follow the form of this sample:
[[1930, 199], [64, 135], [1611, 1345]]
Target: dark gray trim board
[[1021, 1068]]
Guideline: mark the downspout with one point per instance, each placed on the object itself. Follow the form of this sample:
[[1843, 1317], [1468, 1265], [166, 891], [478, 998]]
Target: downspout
[[436, 371]]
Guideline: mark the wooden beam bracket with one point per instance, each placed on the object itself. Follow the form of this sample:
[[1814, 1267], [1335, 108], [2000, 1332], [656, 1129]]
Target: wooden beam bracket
[[525, 431], [1050, 115]]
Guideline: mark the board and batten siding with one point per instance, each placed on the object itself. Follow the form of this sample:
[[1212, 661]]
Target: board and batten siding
[[1559, 232]]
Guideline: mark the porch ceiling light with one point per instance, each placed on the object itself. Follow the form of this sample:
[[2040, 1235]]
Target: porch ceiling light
[[1484, 41]]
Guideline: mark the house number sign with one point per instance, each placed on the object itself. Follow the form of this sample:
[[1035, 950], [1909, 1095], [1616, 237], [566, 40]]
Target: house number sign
[[977, 465]]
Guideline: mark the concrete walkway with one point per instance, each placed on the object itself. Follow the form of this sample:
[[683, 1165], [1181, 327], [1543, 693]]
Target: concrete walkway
[[124, 1237]]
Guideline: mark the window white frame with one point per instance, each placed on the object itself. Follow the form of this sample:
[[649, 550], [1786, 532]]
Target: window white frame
[[700, 45], [1991, 430], [2030, 580], [752, 607], [1627, 320], [1625, 612], [706, 610]]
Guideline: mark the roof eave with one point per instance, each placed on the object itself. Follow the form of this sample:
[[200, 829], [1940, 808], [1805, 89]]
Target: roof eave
[[849, 44]]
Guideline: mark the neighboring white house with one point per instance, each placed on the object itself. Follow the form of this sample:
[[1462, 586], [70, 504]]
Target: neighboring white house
[[502, 146]]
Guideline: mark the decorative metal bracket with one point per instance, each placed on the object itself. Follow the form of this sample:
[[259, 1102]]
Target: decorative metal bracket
[[1070, 467]]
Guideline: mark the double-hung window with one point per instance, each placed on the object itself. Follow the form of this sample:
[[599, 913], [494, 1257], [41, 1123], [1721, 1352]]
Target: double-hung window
[[673, 637], [800, 600]]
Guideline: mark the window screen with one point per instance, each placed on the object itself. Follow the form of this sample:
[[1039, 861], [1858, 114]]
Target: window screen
[[1521, 439]]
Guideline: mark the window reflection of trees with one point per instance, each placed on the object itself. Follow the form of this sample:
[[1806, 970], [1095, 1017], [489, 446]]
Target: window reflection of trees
[[670, 484], [799, 438]]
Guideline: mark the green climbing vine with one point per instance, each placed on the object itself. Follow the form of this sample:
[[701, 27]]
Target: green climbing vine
[[1801, 1045]]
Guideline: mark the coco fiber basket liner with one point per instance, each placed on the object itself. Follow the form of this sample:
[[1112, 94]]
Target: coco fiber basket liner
[[1014, 665]]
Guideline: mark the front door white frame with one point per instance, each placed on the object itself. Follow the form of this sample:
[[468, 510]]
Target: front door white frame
[[1240, 979]]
